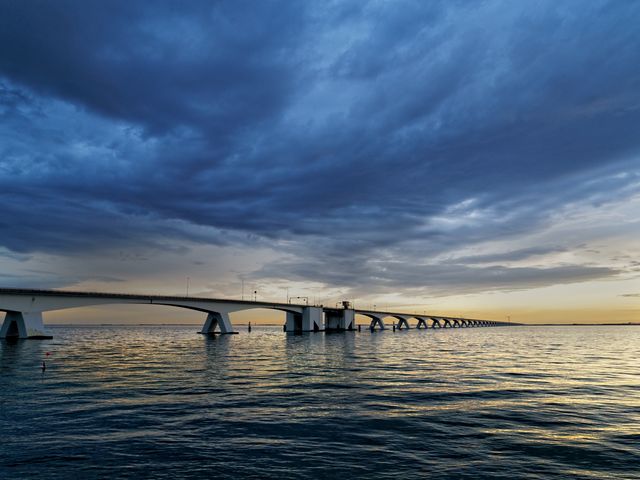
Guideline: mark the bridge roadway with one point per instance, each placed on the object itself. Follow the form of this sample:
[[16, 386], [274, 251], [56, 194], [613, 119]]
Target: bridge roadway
[[24, 309]]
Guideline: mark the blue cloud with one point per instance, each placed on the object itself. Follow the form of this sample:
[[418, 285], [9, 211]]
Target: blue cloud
[[330, 131]]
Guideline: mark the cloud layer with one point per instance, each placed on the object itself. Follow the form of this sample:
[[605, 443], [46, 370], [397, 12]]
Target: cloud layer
[[371, 146]]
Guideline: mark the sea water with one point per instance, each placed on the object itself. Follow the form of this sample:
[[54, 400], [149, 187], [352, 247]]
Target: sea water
[[163, 402]]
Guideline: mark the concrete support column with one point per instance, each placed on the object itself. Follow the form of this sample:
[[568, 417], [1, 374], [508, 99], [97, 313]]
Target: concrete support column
[[338, 320], [217, 320], [349, 319], [294, 322], [422, 323], [311, 319], [403, 323], [23, 325], [377, 321], [332, 320]]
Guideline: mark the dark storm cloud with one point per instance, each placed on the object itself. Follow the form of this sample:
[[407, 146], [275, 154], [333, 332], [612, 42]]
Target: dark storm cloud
[[336, 131], [211, 66]]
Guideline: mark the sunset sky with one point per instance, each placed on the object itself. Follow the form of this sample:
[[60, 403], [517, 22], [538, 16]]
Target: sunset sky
[[478, 159]]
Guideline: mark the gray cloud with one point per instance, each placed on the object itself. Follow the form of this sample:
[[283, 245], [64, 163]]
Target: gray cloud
[[369, 277], [49, 280], [514, 255]]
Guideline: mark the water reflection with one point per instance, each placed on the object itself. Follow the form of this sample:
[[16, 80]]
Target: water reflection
[[217, 354]]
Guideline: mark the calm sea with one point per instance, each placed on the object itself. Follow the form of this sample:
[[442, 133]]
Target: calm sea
[[163, 402]]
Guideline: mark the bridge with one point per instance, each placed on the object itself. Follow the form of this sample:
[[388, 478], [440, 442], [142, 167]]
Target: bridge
[[24, 309]]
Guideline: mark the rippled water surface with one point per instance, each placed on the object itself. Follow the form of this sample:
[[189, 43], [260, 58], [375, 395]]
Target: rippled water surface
[[164, 402]]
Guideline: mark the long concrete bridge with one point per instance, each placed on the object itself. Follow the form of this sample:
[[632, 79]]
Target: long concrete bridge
[[24, 309]]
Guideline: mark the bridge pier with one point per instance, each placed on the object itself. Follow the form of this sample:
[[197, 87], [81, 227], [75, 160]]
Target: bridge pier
[[422, 323], [23, 325], [340, 320], [310, 320], [293, 323], [217, 319], [403, 323], [377, 321]]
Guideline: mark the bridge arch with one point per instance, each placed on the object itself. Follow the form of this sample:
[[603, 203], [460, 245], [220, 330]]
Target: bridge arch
[[377, 319], [421, 321]]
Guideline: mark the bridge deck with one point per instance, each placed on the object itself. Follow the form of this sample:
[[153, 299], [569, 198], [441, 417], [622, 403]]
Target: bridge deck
[[142, 297]]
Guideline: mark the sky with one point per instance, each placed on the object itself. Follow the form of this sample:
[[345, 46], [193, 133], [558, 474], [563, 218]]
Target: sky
[[475, 158]]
